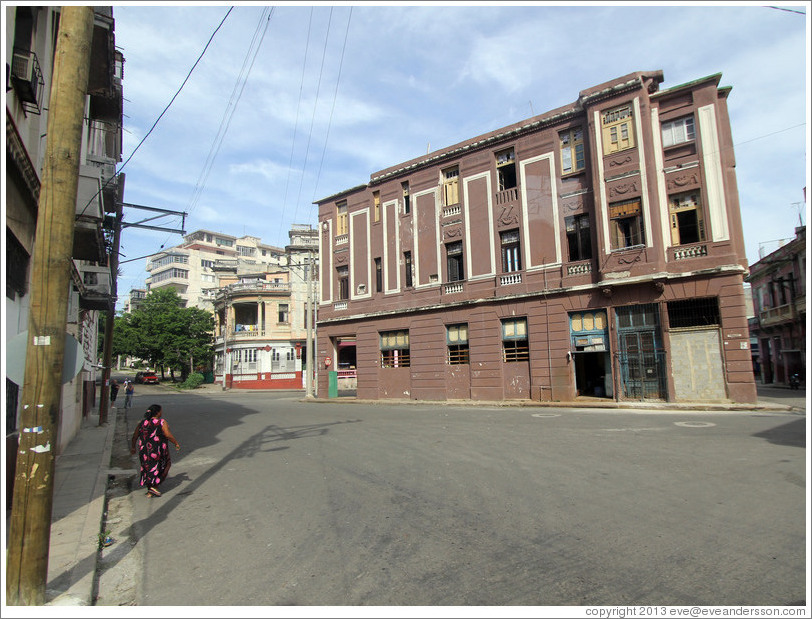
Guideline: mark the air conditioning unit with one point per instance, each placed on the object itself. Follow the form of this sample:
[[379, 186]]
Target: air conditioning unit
[[26, 77]]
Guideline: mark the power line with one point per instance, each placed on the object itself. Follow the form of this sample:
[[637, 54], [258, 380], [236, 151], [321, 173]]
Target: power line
[[296, 124], [332, 109], [188, 75], [236, 95], [313, 116], [778, 8]]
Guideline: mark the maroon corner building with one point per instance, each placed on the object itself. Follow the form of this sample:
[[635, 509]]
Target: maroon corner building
[[593, 251]]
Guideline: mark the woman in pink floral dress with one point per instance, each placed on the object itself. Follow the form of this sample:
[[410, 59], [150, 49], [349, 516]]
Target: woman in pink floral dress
[[153, 436]]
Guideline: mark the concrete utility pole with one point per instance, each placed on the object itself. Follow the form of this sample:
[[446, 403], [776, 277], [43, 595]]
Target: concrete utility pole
[[30, 532], [311, 360]]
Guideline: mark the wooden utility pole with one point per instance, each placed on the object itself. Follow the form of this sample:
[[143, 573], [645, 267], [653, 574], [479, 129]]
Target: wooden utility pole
[[30, 530]]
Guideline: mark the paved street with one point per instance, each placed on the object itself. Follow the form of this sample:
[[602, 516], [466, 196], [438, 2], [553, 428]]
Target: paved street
[[274, 501]]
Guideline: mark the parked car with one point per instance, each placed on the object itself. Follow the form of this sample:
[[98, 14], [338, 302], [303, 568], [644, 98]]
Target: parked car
[[147, 378]]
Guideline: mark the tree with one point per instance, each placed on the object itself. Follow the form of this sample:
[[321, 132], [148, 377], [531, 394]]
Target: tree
[[165, 333]]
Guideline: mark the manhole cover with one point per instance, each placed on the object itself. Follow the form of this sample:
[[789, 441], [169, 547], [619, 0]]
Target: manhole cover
[[694, 424]]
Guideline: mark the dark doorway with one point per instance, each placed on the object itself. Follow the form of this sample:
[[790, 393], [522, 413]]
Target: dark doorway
[[591, 372]]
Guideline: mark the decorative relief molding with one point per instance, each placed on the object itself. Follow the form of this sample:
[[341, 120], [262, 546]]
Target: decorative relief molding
[[683, 181], [508, 217], [573, 205], [452, 233], [453, 222], [622, 161], [341, 257], [623, 188], [623, 260]]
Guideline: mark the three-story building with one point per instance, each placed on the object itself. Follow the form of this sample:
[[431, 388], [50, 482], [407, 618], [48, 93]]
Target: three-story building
[[594, 250]]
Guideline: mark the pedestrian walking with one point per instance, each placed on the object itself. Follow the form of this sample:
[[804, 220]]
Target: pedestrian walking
[[152, 437], [113, 391], [129, 391]]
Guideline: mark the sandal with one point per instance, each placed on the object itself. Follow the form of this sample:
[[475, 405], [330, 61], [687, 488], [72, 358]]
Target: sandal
[[154, 492]]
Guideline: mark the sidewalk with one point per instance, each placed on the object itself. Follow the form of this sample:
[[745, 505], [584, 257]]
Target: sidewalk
[[80, 482], [82, 474]]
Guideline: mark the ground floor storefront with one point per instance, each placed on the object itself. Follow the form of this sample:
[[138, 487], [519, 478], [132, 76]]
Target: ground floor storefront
[[678, 342]]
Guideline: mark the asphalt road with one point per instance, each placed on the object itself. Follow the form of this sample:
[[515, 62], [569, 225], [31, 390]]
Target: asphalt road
[[275, 501]]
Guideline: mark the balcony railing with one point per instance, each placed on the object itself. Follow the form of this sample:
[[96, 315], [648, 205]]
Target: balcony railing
[[511, 278], [452, 288], [506, 196], [102, 139], [692, 251], [450, 211], [342, 239], [579, 268], [242, 331], [340, 305], [775, 315]]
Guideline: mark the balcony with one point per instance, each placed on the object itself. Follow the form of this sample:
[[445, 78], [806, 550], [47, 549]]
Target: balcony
[[691, 251], [103, 143], [453, 288], [506, 196], [579, 268], [510, 278], [88, 240], [246, 332], [245, 288], [783, 313], [95, 284]]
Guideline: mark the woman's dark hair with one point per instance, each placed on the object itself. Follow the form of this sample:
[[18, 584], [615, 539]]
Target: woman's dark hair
[[152, 411]]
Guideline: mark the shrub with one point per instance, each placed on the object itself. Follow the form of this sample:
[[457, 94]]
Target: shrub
[[193, 381]]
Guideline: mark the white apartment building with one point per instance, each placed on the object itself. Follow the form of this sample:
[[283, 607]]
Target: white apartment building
[[194, 267]]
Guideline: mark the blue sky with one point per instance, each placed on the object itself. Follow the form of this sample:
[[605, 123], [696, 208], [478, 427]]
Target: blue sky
[[293, 103]]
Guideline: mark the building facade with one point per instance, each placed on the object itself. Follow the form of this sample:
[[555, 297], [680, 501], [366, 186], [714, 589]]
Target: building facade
[[261, 325], [31, 36], [778, 285], [592, 251], [194, 267]]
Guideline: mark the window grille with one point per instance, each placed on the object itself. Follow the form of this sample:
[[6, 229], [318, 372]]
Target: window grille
[[514, 340], [693, 313], [395, 349], [457, 341]]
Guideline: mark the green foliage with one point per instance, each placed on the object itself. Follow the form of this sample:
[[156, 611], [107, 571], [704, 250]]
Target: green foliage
[[165, 333], [193, 382]]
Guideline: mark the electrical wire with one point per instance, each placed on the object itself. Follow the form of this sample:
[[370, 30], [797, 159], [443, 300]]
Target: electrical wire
[[312, 121], [186, 79], [296, 124], [332, 109], [231, 108]]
